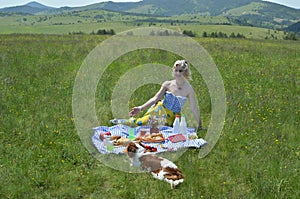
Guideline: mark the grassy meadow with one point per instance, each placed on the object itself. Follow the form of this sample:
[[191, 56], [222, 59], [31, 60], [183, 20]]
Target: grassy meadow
[[90, 21], [257, 155]]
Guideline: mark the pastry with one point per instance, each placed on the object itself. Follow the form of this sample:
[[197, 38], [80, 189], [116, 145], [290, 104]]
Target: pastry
[[115, 137], [121, 142], [154, 137]]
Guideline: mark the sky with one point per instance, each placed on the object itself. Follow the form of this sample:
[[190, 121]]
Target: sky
[[74, 3]]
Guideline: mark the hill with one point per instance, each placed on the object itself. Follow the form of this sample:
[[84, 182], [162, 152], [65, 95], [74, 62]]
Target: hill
[[294, 28], [244, 12], [256, 13], [29, 8], [264, 14], [177, 7], [35, 4]]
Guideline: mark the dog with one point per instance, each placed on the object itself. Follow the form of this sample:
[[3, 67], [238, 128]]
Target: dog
[[160, 168]]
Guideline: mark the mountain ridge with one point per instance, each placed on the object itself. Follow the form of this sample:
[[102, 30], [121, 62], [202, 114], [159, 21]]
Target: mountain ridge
[[32, 7], [256, 13], [161, 7], [35, 4]]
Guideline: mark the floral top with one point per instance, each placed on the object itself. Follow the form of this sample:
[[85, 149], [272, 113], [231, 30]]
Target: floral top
[[173, 102]]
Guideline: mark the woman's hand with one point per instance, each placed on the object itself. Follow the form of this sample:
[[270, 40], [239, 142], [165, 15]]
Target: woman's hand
[[134, 111], [150, 102]]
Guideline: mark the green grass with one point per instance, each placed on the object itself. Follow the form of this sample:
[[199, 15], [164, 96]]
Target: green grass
[[89, 27], [90, 21], [257, 155]]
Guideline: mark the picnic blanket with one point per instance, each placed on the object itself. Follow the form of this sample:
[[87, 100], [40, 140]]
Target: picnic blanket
[[164, 146]]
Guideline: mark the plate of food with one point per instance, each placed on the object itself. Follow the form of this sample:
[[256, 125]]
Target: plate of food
[[118, 141], [153, 137]]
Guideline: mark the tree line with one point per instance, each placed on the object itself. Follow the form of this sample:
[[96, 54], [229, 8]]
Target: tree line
[[214, 34], [223, 35], [98, 32]]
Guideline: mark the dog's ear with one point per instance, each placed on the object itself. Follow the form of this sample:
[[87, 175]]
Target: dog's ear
[[128, 146], [131, 147]]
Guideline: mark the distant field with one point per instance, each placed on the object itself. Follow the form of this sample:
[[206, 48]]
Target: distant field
[[91, 21], [257, 155]]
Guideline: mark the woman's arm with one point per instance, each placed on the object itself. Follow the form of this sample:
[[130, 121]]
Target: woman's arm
[[194, 107], [151, 101]]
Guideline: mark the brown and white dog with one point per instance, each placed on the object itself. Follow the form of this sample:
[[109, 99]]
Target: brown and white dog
[[159, 167]]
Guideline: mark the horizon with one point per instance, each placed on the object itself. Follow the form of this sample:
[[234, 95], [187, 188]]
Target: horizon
[[79, 3], [58, 4]]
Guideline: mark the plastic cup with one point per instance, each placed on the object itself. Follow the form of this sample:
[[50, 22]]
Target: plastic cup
[[131, 133]]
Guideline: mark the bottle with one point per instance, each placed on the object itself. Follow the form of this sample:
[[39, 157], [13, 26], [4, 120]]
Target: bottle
[[183, 126], [176, 125], [108, 144]]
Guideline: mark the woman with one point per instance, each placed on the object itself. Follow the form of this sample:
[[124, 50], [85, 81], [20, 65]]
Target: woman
[[175, 93]]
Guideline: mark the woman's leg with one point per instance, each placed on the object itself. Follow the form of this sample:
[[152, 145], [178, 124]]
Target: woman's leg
[[154, 110]]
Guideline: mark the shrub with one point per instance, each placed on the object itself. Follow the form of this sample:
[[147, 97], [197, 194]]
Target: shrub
[[189, 33], [290, 36], [104, 32]]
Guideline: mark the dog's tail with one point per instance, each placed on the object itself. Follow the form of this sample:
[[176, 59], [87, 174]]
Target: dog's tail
[[173, 173], [173, 176]]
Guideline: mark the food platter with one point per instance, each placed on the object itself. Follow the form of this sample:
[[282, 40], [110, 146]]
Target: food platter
[[153, 137]]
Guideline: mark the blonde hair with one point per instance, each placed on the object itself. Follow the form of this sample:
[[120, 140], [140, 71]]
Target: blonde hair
[[184, 65]]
